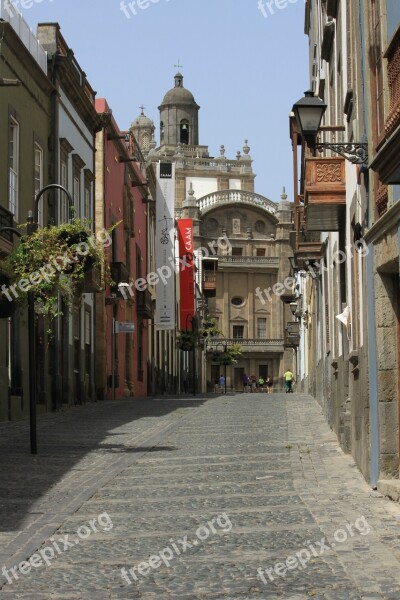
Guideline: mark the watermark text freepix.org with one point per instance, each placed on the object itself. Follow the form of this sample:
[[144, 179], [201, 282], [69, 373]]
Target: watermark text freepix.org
[[56, 263], [47, 554], [20, 4], [339, 257], [267, 7], [130, 7], [300, 560], [176, 548]]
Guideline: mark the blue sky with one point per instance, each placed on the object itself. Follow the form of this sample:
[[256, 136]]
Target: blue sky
[[245, 70]]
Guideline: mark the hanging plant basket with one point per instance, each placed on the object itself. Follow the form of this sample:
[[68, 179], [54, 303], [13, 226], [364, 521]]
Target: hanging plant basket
[[54, 261]]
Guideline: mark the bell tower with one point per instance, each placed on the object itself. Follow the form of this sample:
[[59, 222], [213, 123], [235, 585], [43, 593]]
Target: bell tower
[[179, 117]]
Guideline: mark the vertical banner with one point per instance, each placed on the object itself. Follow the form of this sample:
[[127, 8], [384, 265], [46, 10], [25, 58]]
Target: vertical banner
[[165, 234], [186, 272]]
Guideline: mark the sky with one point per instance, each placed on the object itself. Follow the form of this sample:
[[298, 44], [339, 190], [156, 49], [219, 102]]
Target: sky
[[245, 67]]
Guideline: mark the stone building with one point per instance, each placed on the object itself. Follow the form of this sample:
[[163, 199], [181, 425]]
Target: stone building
[[346, 242], [25, 117], [218, 194]]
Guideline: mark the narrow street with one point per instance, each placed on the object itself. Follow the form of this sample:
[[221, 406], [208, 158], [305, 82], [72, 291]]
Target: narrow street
[[270, 505]]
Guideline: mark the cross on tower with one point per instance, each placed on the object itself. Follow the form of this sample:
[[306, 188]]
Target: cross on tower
[[178, 66], [142, 108]]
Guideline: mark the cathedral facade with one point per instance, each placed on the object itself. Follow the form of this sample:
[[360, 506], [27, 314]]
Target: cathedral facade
[[241, 282]]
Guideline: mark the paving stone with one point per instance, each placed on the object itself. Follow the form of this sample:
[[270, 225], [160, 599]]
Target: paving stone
[[163, 469]]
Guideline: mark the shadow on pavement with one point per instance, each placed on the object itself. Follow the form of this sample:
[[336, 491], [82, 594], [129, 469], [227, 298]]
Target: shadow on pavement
[[69, 447]]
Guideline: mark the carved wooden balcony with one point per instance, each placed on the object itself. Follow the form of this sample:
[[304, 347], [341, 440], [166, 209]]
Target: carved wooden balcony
[[324, 193]]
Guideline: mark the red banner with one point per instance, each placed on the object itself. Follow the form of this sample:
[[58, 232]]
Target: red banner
[[186, 272]]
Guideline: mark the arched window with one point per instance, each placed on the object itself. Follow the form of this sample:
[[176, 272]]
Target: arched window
[[184, 132], [162, 130]]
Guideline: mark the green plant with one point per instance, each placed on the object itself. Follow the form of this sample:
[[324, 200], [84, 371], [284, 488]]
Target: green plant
[[210, 329], [187, 340], [230, 356], [54, 261]]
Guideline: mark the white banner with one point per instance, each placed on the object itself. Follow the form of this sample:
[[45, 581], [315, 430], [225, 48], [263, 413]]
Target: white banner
[[165, 234]]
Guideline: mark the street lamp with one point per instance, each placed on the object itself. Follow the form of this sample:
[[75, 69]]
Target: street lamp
[[309, 112], [31, 228], [225, 347], [194, 322]]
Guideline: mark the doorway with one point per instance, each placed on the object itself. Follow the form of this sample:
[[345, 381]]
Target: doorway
[[238, 381]]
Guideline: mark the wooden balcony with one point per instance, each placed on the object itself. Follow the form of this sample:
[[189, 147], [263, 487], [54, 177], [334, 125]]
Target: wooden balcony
[[325, 193], [306, 244], [209, 282], [386, 162], [6, 240]]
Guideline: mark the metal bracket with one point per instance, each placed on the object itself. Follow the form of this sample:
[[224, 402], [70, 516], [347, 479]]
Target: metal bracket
[[356, 153]]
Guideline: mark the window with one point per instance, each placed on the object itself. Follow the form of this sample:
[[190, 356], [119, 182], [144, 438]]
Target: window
[[260, 251], [237, 301], [77, 190], [237, 251], [262, 328], [145, 141], [184, 132], [238, 331], [87, 200], [39, 179], [65, 149], [162, 131], [13, 161]]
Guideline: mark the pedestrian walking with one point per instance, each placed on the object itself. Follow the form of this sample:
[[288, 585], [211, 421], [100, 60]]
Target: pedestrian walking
[[261, 384], [253, 384], [216, 385], [288, 377], [270, 385]]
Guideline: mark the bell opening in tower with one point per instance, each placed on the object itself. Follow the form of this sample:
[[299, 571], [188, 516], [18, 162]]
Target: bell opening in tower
[[184, 133]]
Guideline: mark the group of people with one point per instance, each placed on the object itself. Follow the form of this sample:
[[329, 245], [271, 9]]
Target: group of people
[[251, 384]]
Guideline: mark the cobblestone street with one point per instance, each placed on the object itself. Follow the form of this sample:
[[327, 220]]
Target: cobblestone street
[[252, 480]]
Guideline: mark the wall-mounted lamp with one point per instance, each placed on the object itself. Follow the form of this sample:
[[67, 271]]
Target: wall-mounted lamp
[[309, 112]]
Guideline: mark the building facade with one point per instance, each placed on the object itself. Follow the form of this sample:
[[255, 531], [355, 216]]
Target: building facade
[[241, 244], [121, 206], [25, 115], [346, 242]]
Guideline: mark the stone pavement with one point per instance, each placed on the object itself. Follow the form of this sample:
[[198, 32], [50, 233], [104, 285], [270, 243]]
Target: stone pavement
[[228, 497]]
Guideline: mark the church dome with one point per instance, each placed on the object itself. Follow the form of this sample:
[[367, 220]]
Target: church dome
[[142, 121], [178, 94]]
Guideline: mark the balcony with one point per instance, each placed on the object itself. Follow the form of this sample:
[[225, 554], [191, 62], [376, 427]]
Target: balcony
[[264, 263], [144, 304], [209, 282], [6, 220], [386, 162], [325, 193], [119, 273], [250, 345], [306, 244]]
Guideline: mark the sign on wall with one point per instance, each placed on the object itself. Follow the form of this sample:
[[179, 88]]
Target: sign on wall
[[186, 272], [165, 233]]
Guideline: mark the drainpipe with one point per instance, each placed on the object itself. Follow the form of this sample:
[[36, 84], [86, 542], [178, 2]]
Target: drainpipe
[[371, 337]]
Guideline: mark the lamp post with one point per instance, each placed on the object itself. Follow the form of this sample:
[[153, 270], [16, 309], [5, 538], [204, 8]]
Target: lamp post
[[309, 112], [193, 320], [225, 347], [31, 228]]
